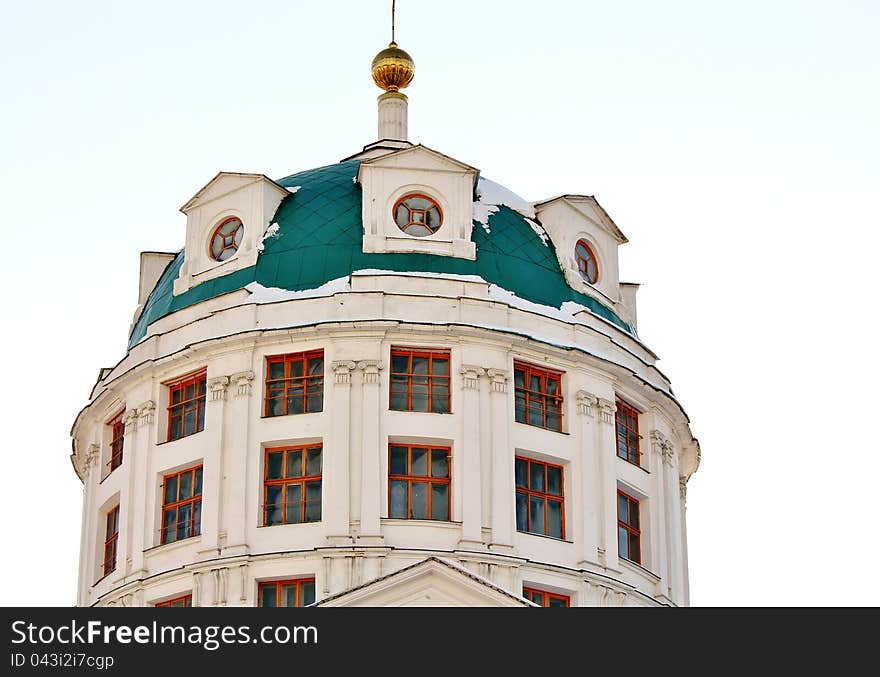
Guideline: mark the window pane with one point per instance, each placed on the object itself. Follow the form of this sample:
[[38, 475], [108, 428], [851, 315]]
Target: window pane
[[520, 407], [634, 514], [274, 513], [316, 366], [288, 594], [521, 471], [440, 502], [186, 485], [170, 489], [313, 502], [634, 548], [294, 463], [399, 401], [554, 518], [419, 500], [296, 369], [399, 363], [398, 460], [552, 386], [313, 461], [169, 526], [176, 395], [418, 203], [554, 481], [440, 366], [440, 397], [398, 499], [275, 406], [519, 378], [419, 393], [295, 403], [536, 413], [308, 592], [184, 521], [276, 370], [535, 384], [419, 365], [622, 542], [536, 514], [176, 428], [419, 461], [621, 508], [200, 421], [267, 595], [536, 476], [522, 507], [197, 518], [294, 503], [439, 463], [557, 602], [197, 489], [315, 401], [274, 465]]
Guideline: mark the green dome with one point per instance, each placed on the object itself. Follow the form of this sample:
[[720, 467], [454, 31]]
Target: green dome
[[319, 239]]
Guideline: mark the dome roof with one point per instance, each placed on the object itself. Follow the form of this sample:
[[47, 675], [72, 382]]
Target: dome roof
[[319, 239]]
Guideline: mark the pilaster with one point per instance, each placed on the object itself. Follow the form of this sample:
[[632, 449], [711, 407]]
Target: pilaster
[[607, 452], [587, 476], [336, 508], [371, 451], [503, 506], [469, 457]]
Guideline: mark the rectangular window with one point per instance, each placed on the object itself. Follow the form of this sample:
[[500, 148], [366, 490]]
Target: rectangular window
[[294, 383], [626, 421], [117, 437], [420, 380], [628, 533], [544, 598], [182, 505], [186, 405], [419, 482], [538, 396], [299, 592], [111, 537], [292, 485], [184, 600], [539, 498]]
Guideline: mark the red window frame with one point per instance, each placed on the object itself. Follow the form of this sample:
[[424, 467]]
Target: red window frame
[[194, 501], [302, 386], [430, 377], [543, 597], [177, 410], [423, 212], [628, 525], [429, 479], [543, 494], [584, 261], [279, 590], [182, 601], [117, 439], [111, 538], [525, 396], [626, 425], [227, 242], [304, 480]]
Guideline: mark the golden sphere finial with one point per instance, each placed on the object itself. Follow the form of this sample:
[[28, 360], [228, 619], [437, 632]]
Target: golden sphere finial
[[393, 68]]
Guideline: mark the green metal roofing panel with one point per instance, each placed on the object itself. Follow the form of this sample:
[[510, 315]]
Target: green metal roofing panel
[[319, 239]]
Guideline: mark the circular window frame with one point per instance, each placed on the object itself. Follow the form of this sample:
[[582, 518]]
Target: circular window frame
[[577, 259], [435, 204], [216, 231]]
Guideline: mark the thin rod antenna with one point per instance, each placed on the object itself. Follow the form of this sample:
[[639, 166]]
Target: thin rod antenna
[[393, 3]]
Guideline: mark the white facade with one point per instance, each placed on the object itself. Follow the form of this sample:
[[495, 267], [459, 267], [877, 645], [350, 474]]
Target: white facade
[[356, 554]]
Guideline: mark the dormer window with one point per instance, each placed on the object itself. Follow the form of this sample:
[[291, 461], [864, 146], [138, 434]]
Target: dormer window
[[418, 215], [226, 239], [588, 265]]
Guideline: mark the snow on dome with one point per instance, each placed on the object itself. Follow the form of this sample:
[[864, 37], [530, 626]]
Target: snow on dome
[[271, 231], [491, 195]]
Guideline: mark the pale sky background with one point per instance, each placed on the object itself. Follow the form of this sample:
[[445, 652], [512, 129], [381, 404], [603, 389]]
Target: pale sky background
[[736, 144]]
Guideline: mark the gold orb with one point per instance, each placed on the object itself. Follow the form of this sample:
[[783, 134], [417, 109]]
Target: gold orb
[[393, 69]]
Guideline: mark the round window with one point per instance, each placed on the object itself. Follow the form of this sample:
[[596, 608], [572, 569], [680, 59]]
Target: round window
[[418, 215], [587, 264], [226, 239]]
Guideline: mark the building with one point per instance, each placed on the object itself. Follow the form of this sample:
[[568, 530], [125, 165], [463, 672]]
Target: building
[[387, 381]]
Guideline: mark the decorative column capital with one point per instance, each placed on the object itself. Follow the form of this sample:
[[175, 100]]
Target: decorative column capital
[[607, 409], [130, 419], [683, 488], [91, 459], [586, 403], [147, 411], [242, 381], [342, 371], [470, 376], [217, 386], [662, 445], [498, 378], [371, 369]]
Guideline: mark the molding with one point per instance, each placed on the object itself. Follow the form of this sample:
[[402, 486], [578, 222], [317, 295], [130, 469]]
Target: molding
[[586, 403], [607, 408], [342, 372], [370, 369], [470, 376], [147, 412], [498, 378], [243, 381], [683, 489], [218, 386]]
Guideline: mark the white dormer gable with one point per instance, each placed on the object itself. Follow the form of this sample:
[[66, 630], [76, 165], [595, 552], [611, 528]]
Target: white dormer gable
[[569, 219], [250, 198], [418, 171]]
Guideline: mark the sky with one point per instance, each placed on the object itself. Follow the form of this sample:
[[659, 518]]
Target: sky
[[736, 145]]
